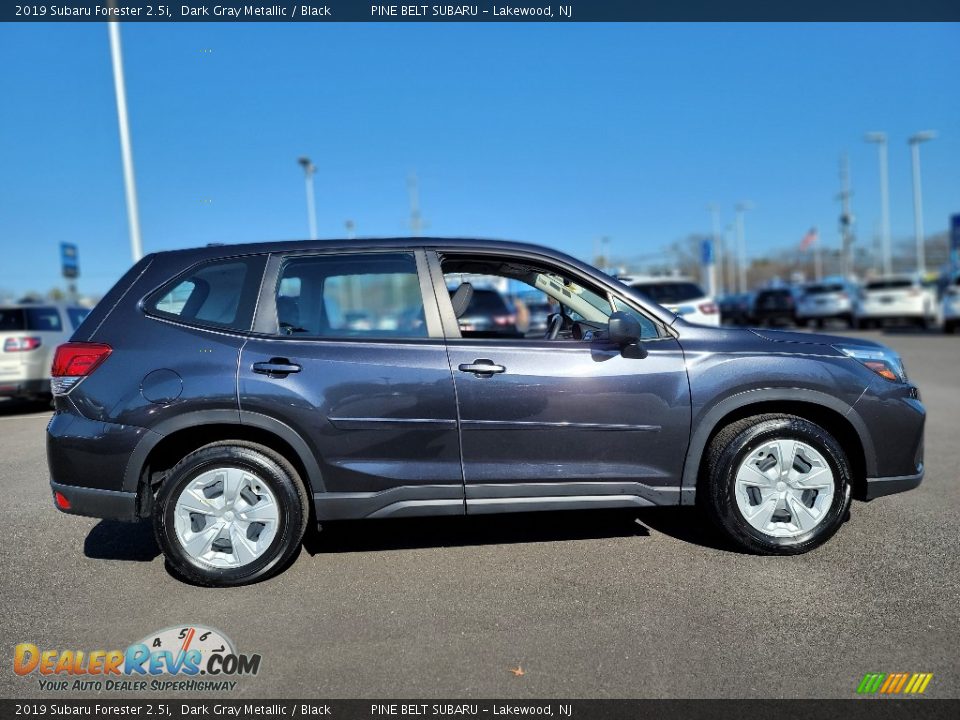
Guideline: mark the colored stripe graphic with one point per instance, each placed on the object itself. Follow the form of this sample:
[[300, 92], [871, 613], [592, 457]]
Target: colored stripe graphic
[[894, 683]]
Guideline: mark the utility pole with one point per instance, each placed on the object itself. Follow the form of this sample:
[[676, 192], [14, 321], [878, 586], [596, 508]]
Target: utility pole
[[416, 221], [714, 209], [914, 142], [880, 139], [351, 227], [741, 208], [308, 171], [846, 218], [730, 258], [126, 149]]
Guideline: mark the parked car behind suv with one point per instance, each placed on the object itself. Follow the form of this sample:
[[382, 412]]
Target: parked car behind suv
[[821, 302], [29, 334], [679, 295], [225, 393], [950, 311], [775, 306], [898, 299]]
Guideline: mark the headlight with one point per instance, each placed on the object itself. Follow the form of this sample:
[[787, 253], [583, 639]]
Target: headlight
[[883, 361]]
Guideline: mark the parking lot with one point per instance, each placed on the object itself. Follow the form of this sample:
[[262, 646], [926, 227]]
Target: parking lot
[[590, 604]]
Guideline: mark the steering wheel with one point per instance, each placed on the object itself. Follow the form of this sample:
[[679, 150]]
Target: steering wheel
[[554, 323]]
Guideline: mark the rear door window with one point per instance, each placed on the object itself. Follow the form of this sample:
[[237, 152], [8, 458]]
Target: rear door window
[[360, 295], [220, 294]]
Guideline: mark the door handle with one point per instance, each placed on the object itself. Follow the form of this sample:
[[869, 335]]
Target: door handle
[[276, 367], [482, 368]]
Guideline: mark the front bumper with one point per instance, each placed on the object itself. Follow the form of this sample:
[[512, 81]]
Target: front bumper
[[94, 502], [878, 487]]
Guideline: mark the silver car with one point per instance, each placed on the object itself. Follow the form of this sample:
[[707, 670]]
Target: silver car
[[29, 335]]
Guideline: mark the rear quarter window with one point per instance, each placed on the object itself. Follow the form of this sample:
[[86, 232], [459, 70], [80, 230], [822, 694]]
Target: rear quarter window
[[216, 294]]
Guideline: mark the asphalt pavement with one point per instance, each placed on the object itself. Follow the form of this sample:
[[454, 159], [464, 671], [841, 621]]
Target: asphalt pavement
[[587, 604]]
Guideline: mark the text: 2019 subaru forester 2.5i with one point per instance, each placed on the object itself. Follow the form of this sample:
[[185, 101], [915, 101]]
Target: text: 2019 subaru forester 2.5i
[[238, 393]]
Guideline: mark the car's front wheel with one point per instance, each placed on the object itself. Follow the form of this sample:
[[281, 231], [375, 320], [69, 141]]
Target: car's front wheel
[[230, 513], [776, 484]]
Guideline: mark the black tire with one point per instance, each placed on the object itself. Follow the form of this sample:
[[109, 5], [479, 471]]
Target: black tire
[[725, 454], [848, 319], [273, 470], [819, 323]]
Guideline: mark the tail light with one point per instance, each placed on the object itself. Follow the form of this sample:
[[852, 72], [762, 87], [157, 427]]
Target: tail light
[[21, 344], [504, 319], [843, 296], [73, 362], [789, 301], [708, 308], [914, 291]]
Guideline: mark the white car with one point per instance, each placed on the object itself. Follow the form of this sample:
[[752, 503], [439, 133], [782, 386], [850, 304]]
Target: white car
[[950, 308], [678, 295], [29, 335], [826, 301], [897, 298]]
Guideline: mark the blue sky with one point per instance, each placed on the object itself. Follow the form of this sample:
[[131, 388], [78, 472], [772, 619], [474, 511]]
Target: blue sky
[[557, 134]]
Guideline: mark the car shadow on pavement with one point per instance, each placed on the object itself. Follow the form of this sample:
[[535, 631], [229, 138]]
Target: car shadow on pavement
[[512, 528], [904, 330], [115, 540], [23, 407]]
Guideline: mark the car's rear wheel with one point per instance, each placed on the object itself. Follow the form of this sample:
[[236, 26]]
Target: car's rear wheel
[[776, 484], [230, 513]]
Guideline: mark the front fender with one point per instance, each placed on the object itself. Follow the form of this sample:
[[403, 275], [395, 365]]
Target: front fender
[[711, 418]]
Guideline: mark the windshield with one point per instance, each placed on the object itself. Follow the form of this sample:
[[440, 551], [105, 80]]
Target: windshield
[[669, 293], [822, 289], [889, 284], [486, 302], [30, 318]]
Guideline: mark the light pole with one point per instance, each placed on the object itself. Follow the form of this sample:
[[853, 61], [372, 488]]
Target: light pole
[[741, 208], [914, 143], [126, 151], [308, 170], [712, 269], [880, 139]]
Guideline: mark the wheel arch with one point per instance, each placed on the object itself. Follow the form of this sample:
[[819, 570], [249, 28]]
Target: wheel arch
[[833, 415], [169, 442]]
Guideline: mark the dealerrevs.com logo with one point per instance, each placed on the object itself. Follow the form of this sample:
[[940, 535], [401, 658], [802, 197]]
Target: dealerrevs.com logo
[[180, 658]]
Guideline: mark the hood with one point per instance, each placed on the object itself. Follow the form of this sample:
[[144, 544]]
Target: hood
[[789, 336]]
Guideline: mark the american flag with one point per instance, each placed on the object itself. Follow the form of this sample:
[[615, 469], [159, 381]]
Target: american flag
[[809, 239]]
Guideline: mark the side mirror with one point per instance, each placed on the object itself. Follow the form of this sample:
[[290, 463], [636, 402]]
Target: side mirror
[[624, 330]]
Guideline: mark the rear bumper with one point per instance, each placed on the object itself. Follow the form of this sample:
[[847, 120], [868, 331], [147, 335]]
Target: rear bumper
[[93, 502], [878, 487], [21, 388], [824, 313], [889, 312]]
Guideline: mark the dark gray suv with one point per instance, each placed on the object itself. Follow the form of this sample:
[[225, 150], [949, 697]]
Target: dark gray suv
[[237, 394]]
